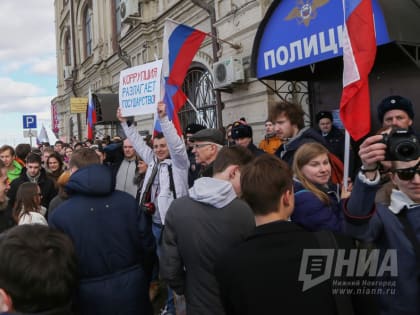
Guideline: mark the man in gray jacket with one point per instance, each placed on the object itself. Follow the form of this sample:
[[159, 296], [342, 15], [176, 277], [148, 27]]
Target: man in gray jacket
[[203, 226]]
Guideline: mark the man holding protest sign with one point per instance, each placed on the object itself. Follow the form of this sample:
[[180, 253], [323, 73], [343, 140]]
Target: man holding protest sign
[[167, 174]]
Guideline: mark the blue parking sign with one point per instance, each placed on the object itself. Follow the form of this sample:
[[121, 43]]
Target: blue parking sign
[[29, 121]]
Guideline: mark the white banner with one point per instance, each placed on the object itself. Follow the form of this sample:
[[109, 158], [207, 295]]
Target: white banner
[[139, 90]]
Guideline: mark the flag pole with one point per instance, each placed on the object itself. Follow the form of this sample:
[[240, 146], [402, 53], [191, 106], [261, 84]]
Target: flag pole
[[346, 159]]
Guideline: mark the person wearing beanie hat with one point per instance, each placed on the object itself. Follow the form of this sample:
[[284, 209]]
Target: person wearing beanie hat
[[271, 142], [331, 134], [194, 169], [242, 135], [396, 111]]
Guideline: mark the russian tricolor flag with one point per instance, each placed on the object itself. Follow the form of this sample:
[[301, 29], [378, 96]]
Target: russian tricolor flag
[[359, 51], [180, 44], [91, 116]]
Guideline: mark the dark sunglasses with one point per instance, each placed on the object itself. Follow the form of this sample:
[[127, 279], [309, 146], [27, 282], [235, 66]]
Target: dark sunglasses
[[407, 173]]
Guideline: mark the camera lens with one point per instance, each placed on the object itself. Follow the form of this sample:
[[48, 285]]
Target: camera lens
[[406, 151]]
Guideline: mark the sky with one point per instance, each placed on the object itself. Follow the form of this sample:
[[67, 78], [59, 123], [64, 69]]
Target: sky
[[28, 75]]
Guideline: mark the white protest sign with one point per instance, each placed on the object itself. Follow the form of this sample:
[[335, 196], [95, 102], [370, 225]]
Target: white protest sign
[[139, 90]]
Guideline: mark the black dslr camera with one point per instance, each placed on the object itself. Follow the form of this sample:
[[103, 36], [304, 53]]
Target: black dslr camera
[[148, 207], [402, 145]]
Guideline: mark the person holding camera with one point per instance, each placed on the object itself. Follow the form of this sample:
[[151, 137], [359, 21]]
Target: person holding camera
[[395, 228], [114, 250], [167, 174], [393, 112]]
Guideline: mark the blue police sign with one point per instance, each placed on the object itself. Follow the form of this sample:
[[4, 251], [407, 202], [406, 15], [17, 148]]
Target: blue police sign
[[29, 121]]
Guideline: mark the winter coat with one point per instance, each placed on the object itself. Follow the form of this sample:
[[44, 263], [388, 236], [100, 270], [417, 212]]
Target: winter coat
[[47, 186], [104, 226], [287, 150], [178, 161], [6, 217], [270, 143], [198, 230], [380, 224], [335, 140], [254, 150], [313, 214]]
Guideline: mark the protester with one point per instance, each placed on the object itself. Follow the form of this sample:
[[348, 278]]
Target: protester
[[55, 166], [126, 170], [396, 111], [317, 200], [6, 211], [195, 168], [201, 227], [332, 135], [68, 151], [271, 141], [33, 172], [22, 150], [206, 146], [290, 128], [242, 135], [28, 208], [38, 271], [394, 228], [166, 177], [256, 273], [113, 252], [7, 155], [62, 194]]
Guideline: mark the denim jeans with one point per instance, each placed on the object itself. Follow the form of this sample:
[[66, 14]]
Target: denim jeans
[[157, 231]]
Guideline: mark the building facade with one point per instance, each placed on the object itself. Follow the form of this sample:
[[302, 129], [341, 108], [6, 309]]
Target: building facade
[[96, 39]]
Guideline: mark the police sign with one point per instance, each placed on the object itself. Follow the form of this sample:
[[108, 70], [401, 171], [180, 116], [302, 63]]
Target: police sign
[[29, 121]]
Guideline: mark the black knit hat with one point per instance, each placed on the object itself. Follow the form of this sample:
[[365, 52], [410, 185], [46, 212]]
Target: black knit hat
[[193, 128], [241, 130], [323, 114], [395, 102]]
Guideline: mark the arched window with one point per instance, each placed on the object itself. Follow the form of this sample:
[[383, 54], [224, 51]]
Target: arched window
[[67, 47], [88, 31], [199, 88]]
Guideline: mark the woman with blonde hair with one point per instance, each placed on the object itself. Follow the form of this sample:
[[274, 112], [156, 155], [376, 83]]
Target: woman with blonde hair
[[28, 209], [317, 200]]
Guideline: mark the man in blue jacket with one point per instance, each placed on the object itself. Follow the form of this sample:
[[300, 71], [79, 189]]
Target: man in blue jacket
[[112, 248], [394, 228]]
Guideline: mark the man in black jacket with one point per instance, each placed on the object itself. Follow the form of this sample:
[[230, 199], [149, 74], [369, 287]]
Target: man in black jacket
[[6, 219], [33, 172]]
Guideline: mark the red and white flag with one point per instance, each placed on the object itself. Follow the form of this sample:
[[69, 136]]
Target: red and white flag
[[359, 51]]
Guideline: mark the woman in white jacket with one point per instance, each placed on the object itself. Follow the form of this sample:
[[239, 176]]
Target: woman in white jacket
[[28, 209]]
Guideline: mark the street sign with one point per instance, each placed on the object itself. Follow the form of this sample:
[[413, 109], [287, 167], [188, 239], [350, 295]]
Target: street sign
[[29, 121], [30, 133]]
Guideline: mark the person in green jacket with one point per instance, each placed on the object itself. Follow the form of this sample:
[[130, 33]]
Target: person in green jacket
[[14, 168]]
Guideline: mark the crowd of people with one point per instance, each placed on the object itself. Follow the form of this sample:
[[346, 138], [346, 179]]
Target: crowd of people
[[96, 227]]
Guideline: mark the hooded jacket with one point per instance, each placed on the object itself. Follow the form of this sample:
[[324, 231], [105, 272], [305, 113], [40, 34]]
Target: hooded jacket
[[15, 172], [179, 163], [198, 230], [104, 226]]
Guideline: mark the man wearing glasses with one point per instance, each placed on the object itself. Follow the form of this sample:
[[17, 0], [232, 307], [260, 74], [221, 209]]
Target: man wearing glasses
[[206, 146], [395, 229]]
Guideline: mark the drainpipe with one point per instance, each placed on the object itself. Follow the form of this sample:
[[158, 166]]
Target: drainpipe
[[215, 45]]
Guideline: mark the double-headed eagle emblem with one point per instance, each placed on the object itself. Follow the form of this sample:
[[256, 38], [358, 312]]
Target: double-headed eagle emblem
[[305, 11]]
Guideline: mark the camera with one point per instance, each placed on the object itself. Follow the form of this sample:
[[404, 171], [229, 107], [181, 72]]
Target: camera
[[402, 145], [148, 207]]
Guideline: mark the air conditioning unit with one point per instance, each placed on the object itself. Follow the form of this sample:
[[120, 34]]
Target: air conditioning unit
[[68, 72], [128, 10], [228, 71]]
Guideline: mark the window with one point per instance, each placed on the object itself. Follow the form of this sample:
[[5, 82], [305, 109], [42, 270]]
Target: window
[[67, 50], [88, 31], [118, 17], [199, 88]]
